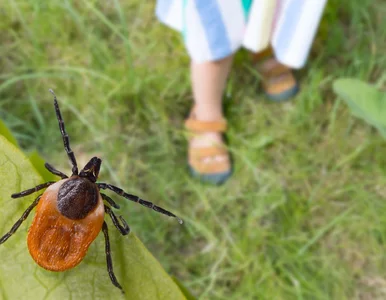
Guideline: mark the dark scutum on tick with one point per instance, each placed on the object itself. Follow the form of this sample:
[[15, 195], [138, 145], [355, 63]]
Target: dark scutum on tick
[[78, 196]]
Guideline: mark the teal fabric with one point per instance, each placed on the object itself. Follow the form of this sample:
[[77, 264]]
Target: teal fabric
[[183, 32], [246, 6]]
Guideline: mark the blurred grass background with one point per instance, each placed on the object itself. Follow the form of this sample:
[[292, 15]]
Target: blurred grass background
[[302, 217]]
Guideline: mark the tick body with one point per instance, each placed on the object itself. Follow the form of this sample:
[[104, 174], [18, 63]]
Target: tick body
[[70, 214], [59, 236]]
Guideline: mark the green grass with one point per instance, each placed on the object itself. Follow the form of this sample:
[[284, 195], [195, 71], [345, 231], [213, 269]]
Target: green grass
[[302, 217]]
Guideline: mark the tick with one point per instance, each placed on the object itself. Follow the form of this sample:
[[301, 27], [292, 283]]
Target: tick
[[71, 213]]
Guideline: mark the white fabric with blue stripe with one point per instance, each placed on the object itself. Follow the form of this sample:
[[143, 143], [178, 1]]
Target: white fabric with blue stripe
[[214, 29]]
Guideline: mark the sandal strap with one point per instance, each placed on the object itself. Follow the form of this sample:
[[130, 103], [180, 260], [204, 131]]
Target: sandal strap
[[196, 156], [272, 68], [199, 153], [206, 126]]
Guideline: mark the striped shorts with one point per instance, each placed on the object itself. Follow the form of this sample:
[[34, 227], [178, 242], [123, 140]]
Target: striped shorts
[[215, 29]]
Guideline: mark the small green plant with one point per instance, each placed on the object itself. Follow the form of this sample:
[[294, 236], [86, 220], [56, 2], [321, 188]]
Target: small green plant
[[365, 101]]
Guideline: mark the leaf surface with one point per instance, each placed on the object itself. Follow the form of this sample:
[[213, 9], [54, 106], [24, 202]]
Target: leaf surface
[[365, 101], [140, 274]]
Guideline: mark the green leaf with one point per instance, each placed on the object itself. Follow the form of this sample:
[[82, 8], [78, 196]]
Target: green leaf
[[184, 290], [35, 158], [5, 132], [365, 101], [140, 274]]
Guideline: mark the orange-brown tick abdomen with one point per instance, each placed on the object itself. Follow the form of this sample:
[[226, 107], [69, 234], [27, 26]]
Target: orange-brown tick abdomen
[[56, 242]]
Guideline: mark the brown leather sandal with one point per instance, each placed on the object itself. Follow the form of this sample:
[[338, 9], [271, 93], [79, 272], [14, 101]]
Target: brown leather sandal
[[278, 80], [212, 171]]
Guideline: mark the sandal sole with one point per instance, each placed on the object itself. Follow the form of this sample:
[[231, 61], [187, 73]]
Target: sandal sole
[[284, 96], [215, 178]]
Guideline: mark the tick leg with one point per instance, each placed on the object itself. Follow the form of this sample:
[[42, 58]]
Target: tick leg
[[123, 228], [110, 201], [33, 190], [66, 139], [18, 223], [54, 171], [108, 258], [138, 200]]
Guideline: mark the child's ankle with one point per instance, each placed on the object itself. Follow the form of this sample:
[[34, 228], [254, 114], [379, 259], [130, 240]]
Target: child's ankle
[[262, 55], [208, 113]]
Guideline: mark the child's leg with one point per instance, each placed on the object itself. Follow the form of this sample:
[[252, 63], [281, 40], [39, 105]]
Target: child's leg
[[207, 156], [208, 84]]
